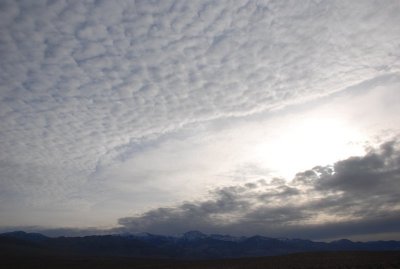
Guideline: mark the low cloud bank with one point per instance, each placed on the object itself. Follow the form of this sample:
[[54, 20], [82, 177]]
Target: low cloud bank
[[355, 196]]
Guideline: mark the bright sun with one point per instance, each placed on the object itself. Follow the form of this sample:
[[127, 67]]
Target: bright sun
[[309, 142]]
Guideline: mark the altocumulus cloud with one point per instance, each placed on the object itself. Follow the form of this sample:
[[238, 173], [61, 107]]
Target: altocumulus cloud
[[82, 82], [355, 196]]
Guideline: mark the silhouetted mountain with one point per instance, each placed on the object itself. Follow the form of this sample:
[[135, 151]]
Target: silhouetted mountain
[[190, 245], [33, 237]]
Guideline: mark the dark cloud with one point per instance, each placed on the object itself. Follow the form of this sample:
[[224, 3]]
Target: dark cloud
[[372, 173], [355, 196]]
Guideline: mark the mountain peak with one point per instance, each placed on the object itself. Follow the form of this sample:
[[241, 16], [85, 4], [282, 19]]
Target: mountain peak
[[25, 236], [193, 235], [342, 241]]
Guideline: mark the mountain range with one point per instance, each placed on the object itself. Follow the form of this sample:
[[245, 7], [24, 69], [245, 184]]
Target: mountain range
[[190, 245]]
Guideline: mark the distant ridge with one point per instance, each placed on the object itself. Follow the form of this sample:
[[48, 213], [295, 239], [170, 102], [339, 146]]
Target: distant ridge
[[190, 245], [35, 237]]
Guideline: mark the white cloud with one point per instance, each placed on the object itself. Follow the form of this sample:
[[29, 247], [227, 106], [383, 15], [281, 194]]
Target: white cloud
[[81, 83]]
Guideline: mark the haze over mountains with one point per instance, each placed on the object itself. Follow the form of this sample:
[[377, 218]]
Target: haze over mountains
[[190, 245]]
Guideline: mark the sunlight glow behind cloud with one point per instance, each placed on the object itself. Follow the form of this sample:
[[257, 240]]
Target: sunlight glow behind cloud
[[307, 142]]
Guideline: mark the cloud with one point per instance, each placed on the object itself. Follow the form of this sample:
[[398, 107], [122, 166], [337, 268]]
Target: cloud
[[83, 83], [358, 195]]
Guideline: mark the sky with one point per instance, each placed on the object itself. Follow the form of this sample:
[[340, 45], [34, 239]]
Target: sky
[[278, 118]]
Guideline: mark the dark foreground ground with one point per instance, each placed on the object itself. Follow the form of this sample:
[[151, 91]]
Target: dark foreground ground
[[299, 260]]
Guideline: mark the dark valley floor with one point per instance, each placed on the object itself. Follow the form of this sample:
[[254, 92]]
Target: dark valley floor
[[328, 260]]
